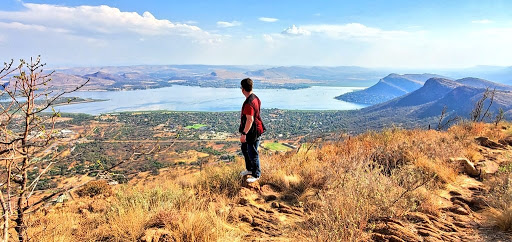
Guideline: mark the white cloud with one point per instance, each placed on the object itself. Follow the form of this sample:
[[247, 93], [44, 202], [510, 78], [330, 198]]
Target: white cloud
[[224, 24], [97, 20], [294, 30], [353, 31], [33, 27], [99, 35], [482, 21], [103, 35], [269, 20]]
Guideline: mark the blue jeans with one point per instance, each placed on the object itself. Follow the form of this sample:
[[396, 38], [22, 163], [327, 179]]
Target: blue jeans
[[252, 159]]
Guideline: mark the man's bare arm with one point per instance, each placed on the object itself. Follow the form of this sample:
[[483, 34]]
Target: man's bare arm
[[247, 127], [248, 124]]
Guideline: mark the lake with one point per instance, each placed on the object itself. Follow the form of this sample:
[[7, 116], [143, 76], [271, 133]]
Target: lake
[[189, 98]]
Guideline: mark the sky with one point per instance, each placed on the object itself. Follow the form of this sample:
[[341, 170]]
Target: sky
[[368, 33]]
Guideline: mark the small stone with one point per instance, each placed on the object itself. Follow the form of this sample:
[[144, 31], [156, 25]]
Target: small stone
[[243, 201], [275, 205], [246, 218]]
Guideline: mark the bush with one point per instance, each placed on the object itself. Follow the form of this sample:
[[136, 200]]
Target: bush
[[94, 188], [501, 218], [220, 180]]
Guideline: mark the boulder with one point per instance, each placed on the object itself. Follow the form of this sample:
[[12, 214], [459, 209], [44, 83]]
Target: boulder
[[489, 167], [468, 166], [506, 141], [486, 142]]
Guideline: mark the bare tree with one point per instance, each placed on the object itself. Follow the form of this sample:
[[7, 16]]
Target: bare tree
[[7, 70], [480, 111], [27, 134], [441, 125], [499, 117]]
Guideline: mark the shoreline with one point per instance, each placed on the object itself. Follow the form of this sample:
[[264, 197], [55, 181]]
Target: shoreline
[[88, 100]]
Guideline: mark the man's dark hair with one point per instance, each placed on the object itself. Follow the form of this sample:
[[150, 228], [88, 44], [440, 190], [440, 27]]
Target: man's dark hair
[[246, 84]]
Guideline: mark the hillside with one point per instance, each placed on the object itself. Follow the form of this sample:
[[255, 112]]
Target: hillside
[[389, 87], [423, 106], [392, 185], [395, 85], [481, 83], [452, 101]]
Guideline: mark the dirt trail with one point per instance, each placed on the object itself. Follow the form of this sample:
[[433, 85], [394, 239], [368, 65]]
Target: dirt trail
[[264, 213]]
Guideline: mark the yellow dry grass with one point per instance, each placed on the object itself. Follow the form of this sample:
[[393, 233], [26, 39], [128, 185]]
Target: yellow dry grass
[[342, 186]]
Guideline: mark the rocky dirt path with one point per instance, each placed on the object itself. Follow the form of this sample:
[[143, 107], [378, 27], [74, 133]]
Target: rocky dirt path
[[462, 203], [262, 211]]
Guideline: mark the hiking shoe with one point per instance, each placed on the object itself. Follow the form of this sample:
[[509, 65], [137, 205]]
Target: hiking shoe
[[245, 173], [252, 179]]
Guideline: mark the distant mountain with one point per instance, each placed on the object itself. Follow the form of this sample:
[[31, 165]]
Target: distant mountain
[[433, 89], [389, 87], [103, 75], [461, 100], [426, 104], [481, 83], [155, 76], [310, 72], [339, 75], [67, 81]]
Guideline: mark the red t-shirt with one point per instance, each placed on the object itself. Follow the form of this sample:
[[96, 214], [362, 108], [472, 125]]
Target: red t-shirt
[[253, 109]]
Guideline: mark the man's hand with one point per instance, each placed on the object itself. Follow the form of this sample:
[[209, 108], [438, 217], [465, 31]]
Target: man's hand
[[243, 138]]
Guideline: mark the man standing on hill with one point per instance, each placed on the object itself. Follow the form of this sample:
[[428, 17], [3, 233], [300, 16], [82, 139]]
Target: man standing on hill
[[251, 128]]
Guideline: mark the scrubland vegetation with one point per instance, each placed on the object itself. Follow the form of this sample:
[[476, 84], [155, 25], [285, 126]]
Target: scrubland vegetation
[[344, 189]]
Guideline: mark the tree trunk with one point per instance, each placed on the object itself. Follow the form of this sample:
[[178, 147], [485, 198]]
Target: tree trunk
[[5, 237], [20, 219], [6, 227]]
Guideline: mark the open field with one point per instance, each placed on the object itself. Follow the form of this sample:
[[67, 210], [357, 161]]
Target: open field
[[195, 126], [276, 146]]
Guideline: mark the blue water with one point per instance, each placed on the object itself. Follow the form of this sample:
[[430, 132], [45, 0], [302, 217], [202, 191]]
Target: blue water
[[188, 98]]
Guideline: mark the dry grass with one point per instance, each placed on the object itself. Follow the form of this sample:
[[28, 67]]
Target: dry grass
[[344, 188], [125, 217], [501, 218], [500, 198]]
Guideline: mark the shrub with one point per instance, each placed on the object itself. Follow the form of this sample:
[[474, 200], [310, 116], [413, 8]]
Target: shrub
[[501, 218], [218, 180], [94, 188], [499, 199]]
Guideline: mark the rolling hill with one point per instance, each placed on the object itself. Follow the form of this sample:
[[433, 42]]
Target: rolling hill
[[389, 87], [423, 106]]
